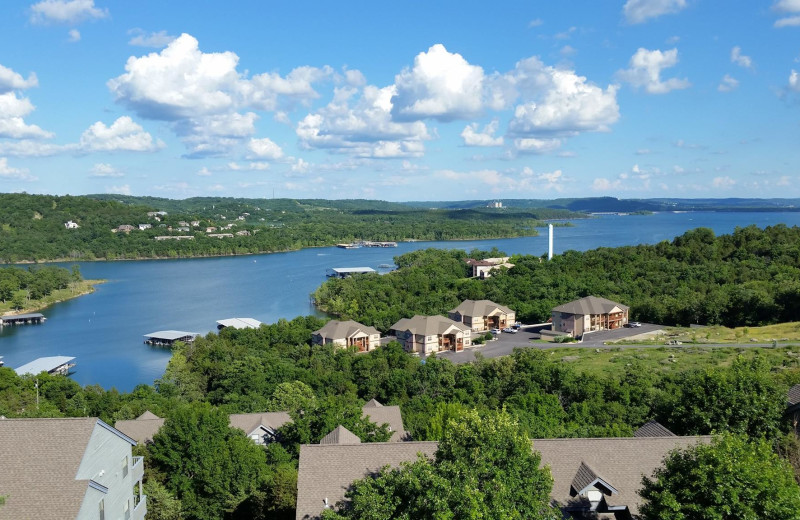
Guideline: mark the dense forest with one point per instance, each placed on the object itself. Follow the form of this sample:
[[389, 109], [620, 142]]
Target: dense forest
[[750, 277], [275, 368], [33, 227]]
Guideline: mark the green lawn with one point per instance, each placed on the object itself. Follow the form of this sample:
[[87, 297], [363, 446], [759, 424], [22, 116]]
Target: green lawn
[[612, 361]]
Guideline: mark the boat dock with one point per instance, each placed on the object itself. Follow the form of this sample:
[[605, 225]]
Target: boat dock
[[348, 246], [344, 272], [166, 338], [52, 365], [378, 244], [22, 319], [239, 323]]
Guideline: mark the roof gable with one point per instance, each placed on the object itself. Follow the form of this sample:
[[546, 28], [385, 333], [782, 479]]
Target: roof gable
[[653, 429], [591, 305], [586, 478], [340, 435]]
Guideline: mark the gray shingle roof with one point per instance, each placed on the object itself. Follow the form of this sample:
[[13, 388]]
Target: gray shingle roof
[[380, 414], [428, 325], [39, 460], [142, 428], [340, 435], [586, 477], [653, 429], [480, 308], [326, 471], [146, 425], [336, 329], [794, 395], [589, 305], [248, 422]]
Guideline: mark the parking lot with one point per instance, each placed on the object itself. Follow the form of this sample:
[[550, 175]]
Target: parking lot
[[505, 343]]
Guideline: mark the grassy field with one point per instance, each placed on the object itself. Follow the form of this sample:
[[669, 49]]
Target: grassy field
[[60, 295], [613, 361]]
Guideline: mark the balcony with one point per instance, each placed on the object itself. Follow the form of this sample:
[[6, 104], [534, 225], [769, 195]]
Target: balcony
[[140, 507], [137, 469]]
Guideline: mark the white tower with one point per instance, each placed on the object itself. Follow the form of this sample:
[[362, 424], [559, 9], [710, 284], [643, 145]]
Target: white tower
[[550, 248]]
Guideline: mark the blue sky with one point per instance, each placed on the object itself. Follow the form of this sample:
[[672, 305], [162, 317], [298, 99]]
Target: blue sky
[[404, 101]]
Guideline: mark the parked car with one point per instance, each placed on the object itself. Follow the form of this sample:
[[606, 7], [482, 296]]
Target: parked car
[[510, 330], [634, 324], [495, 331], [516, 326]]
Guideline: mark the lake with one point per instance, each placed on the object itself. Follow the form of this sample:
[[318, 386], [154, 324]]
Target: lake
[[104, 330]]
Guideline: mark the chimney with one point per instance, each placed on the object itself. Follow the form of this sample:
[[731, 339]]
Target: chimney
[[550, 242]]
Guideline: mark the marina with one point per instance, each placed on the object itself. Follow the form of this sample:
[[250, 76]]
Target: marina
[[344, 272], [239, 323], [166, 338], [22, 319], [52, 365]]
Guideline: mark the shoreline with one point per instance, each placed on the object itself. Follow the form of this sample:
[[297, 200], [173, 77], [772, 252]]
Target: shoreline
[[88, 288], [156, 258]]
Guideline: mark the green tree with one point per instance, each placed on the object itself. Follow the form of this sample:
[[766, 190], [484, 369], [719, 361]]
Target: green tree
[[731, 478], [161, 505], [210, 467], [484, 468]]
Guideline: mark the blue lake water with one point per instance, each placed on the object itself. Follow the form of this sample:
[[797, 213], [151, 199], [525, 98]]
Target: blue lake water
[[104, 330]]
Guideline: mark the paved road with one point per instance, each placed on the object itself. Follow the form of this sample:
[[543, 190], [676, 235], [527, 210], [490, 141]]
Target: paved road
[[505, 343]]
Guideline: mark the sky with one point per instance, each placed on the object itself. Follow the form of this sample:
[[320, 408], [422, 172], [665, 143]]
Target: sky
[[401, 101]]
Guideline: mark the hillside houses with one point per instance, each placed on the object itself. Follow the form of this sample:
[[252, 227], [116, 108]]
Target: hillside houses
[[592, 478], [347, 334], [428, 334], [589, 314], [483, 315], [483, 268]]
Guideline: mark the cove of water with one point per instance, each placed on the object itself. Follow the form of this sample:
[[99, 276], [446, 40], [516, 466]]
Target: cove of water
[[104, 330]]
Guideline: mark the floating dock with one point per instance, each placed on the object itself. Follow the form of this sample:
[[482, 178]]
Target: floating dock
[[378, 244], [22, 319], [166, 338], [52, 365], [239, 323], [348, 246], [344, 272]]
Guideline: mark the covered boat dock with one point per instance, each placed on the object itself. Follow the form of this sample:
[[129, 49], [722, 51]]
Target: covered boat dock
[[22, 319], [239, 323], [51, 365], [166, 338], [344, 272]]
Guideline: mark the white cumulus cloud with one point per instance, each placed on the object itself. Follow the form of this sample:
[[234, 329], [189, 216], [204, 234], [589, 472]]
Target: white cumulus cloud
[[156, 40], [207, 101], [10, 80], [740, 59], [473, 137], [728, 83], [66, 11], [264, 148], [559, 102], [645, 71], [8, 172], [794, 81], [533, 145], [124, 189], [12, 125], [441, 85], [638, 11], [123, 135], [360, 124], [791, 7], [74, 35], [105, 170], [724, 183]]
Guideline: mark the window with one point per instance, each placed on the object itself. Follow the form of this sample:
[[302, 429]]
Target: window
[[126, 508], [102, 510], [125, 466]]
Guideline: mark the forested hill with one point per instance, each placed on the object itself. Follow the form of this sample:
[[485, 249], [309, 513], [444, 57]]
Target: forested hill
[[614, 205], [35, 227], [751, 277]]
